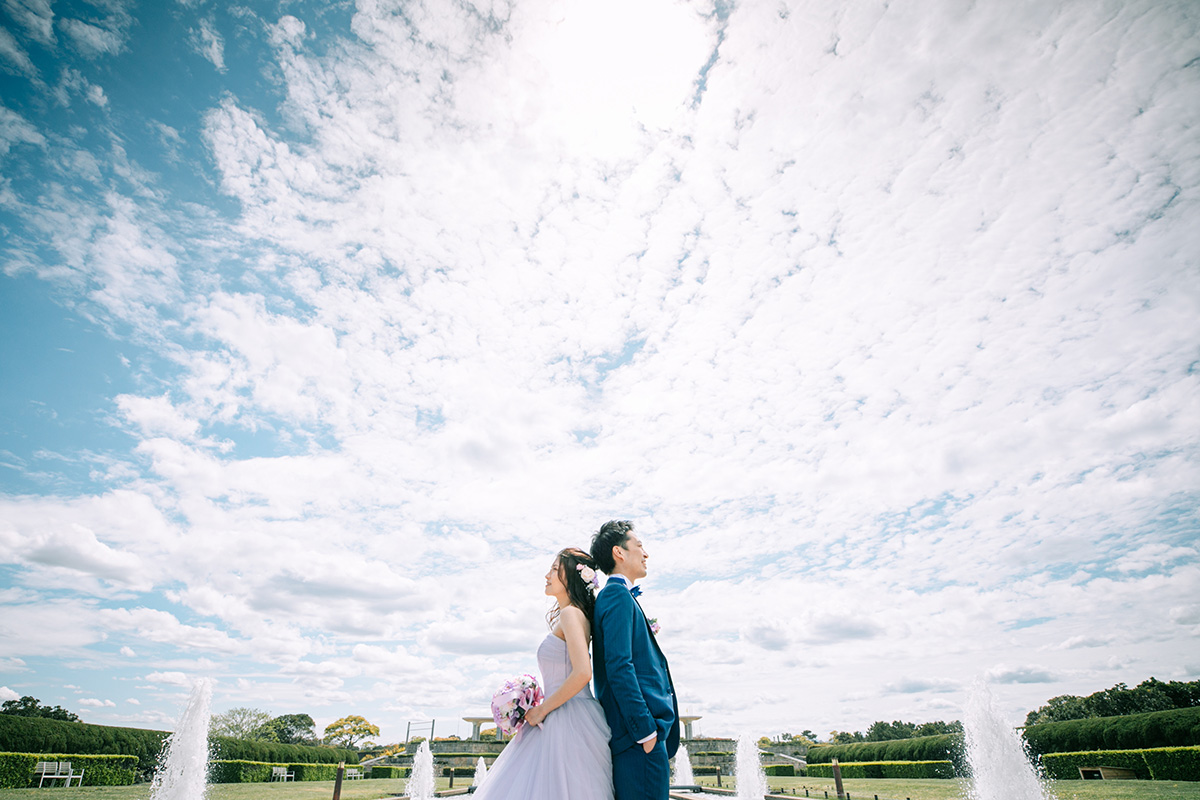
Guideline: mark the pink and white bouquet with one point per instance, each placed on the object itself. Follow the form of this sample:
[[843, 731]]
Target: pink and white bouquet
[[512, 700]]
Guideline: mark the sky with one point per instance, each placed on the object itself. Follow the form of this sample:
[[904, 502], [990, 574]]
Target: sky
[[324, 326]]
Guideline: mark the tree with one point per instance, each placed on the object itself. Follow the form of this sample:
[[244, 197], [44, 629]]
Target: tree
[[885, 732], [240, 723], [845, 737], [29, 706], [1149, 695], [289, 729], [349, 731]]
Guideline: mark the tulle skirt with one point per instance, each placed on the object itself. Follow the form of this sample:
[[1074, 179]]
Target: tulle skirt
[[566, 759]]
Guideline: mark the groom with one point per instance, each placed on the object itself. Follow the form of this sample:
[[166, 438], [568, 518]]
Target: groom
[[633, 683]]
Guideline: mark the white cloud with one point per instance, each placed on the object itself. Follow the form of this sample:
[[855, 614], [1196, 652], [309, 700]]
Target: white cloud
[[128, 652], [169, 678], [885, 342], [8, 694], [12, 52], [208, 42], [92, 702], [36, 16]]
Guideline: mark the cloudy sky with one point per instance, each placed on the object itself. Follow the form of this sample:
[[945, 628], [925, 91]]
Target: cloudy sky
[[324, 325]]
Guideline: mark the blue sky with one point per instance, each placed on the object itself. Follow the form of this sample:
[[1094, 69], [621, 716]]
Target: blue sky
[[325, 325]]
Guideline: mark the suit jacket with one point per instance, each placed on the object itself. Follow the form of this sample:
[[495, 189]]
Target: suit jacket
[[633, 682]]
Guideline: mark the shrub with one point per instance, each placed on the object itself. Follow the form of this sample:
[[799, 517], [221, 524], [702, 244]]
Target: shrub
[[314, 772], [779, 770], [706, 770], [1160, 763], [16, 769], [387, 772], [922, 748], [1173, 763], [459, 772], [234, 771], [886, 769], [225, 749], [1178, 727], [40, 735]]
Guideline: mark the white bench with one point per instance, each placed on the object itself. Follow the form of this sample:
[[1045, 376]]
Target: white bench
[[57, 770], [282, 774], [353, 773]]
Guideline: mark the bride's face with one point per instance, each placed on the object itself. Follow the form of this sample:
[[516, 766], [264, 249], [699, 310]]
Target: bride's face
[[554, 582]]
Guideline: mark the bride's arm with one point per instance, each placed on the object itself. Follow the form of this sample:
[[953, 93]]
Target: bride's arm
[[575, 631]]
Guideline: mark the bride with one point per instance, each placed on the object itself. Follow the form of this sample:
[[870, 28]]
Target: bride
[[562, 752]]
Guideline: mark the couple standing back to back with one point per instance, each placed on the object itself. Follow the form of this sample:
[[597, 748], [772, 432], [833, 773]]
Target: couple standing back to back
[[617, 744]]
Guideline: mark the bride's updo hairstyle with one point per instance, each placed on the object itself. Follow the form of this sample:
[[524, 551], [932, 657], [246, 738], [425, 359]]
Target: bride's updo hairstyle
[[579, 590]]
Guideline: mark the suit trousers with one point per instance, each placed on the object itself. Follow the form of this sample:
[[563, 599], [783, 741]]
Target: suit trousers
[[638, 775]]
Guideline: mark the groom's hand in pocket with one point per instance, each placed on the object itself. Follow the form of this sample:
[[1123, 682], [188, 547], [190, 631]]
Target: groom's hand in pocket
[[648, 745]]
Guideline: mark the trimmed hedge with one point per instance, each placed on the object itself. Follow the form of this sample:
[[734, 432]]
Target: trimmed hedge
[[1179, 727], [242, 771], [943, 747], [886, 769], [459, 772], [706, 770], [41, 735], [387, 771], [1160, 763], [224, 748], [16, 769], [780, 770]]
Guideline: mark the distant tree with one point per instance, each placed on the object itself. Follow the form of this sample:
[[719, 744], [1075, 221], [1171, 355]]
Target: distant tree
[[1149, 695], [289, 729], [240, 723], [938, 728], [888, 731], [349, 731], [807, 734], [845, 737], [29, 706]]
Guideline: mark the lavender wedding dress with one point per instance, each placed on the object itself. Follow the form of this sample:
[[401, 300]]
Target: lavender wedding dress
[[565, 759]]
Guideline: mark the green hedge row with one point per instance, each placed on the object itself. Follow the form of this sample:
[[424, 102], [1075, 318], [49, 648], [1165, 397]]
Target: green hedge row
[[387, 772], [222, 747], [886, 769], [921, 748], [1178, 727], [40, 735], [242, 771], [780, 770], [16, 769], [1160, 763]]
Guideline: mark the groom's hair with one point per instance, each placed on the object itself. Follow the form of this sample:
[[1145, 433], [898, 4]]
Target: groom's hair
[[611, 534]]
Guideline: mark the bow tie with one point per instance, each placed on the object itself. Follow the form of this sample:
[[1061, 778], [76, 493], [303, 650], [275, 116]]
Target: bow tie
[[636, 591]]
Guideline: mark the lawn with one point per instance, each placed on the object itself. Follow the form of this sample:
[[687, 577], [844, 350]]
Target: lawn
[[859, 789], [934, 789]]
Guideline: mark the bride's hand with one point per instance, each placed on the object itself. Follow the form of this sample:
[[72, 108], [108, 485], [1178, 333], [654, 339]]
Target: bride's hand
[[536, 715]]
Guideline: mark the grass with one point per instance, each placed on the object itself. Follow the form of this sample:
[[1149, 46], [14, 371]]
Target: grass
[[858, 788], [943, 789]]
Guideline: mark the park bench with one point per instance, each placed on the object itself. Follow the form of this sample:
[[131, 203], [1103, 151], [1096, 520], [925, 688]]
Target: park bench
[[353, 773], [282, 774], [57, 770]]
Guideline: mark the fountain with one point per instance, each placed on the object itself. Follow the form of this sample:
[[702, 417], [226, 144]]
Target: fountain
[[751, 780], [480, 772], [183, 765], [1000, 764], [420, 780], [683, 768]]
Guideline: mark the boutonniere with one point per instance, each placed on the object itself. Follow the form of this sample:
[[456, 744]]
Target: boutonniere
[[654, 626]]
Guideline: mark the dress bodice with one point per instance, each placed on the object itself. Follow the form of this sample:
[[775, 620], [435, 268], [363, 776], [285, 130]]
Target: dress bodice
[[554, 662]]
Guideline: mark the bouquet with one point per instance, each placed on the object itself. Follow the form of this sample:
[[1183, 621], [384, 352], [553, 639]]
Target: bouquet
[[512, 700]]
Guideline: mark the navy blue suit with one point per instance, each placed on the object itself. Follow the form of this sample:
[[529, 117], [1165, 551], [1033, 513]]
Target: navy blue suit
[[633, 684]]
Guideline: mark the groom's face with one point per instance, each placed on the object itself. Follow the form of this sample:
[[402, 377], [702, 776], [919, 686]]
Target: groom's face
[[633, 555]]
